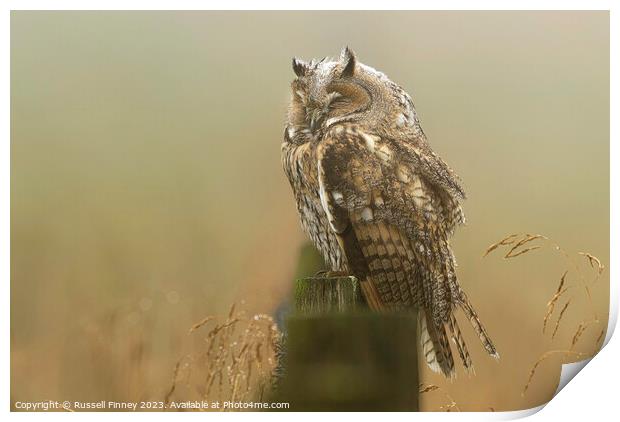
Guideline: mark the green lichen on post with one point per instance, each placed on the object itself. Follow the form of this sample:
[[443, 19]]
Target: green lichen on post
[[320, 295]]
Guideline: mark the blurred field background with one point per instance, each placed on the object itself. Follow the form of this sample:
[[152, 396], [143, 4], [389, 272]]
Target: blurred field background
[[147, 190]]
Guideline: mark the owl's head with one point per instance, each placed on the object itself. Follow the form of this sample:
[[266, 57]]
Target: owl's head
[[327, 92]]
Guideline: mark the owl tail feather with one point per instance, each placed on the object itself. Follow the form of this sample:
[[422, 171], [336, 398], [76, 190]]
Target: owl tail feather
[[434, 341], [461, 347], [478, 327], [436, 346]]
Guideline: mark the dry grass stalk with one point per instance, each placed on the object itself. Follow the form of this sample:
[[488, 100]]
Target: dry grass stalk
[[526, 239], [235, 362], [551, 304], [448, 407], [428, 388], [520, 239], [432, 387], [580, 329], [542, 358], [521, 252], [218, 352], [594, 260], [201, 323], [557, 323], [505, 241], [583, 325]]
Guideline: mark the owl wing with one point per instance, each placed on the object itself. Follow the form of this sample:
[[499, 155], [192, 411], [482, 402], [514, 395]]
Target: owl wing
[[391, 224], [416, 153], [396, 215]]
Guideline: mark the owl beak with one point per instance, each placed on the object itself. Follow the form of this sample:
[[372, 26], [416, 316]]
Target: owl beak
[[314, 121], [316, 118]]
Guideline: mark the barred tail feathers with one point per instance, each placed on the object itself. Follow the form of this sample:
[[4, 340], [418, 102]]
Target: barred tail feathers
[[470, 313], [459, 342], [435, 346]]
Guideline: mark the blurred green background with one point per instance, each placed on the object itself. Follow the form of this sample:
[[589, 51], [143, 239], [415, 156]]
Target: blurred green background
[[147, 190]]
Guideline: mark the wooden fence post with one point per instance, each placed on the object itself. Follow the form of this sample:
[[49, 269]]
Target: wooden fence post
[[341, 356]]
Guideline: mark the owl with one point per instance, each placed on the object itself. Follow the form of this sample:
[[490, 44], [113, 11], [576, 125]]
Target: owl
[[376, 201]]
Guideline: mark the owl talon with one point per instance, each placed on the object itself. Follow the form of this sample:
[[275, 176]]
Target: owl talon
[[330, 274]]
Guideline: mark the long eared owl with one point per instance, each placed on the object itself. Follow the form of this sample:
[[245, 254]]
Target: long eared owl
[[374, 198]]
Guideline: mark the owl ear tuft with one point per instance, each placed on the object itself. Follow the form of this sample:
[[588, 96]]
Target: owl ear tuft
[[347, 57], [299, 67]]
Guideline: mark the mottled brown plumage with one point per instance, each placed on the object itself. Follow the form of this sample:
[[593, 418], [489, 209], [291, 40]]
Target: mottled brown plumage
[[376, 200]]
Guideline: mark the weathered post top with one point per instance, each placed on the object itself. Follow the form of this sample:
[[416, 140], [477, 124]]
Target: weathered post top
[[342, 356]]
